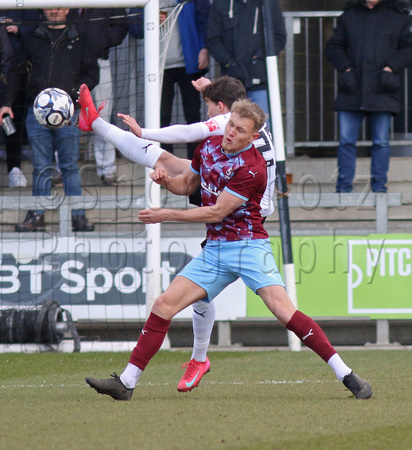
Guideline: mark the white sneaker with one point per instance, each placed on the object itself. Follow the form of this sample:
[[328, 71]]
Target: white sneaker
[[17, 178]]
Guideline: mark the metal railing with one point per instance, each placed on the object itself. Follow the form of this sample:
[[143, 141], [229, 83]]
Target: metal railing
[[311, 84], [305, 201], [65, 204]]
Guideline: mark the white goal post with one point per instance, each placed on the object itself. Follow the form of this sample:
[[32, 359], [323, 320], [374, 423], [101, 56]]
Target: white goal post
[[41, 4], [152, 109]]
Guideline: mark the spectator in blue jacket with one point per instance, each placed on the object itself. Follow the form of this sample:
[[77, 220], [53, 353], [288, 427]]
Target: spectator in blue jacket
[[187, 59]]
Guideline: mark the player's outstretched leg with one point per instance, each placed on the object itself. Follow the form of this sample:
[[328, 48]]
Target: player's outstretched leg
[[310, 333], [148, 344], [138, 150], [88, 113]]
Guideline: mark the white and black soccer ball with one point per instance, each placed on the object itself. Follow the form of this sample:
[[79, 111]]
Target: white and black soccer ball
[[53, 108]]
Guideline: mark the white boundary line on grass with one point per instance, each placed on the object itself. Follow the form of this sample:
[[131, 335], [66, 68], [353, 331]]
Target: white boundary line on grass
[[149, 383]]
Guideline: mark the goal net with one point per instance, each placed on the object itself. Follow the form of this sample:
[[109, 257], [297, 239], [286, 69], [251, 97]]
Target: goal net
[[99, 277]]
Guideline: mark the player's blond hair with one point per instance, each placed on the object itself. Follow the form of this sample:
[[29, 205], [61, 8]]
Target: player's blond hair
[[246, 108]]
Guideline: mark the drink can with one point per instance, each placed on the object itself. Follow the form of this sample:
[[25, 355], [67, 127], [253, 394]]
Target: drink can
[[8, 125]]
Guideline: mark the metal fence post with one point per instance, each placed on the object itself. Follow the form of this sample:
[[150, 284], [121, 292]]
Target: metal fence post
[[381, 213]]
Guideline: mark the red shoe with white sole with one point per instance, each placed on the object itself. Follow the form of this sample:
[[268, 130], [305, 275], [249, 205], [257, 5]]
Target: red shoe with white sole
[[88, 113], [194, 373]]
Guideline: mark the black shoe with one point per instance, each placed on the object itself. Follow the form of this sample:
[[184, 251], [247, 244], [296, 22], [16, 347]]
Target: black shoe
[[57, 178], [111, 386], [80, 223], [359, 387], [108, 180], [32, 222]]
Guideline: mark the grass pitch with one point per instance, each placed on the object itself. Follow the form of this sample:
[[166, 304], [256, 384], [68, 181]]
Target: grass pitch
[[249, 400]]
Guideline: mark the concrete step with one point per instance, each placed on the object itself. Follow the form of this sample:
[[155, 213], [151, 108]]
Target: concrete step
[[309, 175], [128, 173], [319, 175]]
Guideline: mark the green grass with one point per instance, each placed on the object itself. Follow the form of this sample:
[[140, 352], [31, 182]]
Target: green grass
[[249, 400]]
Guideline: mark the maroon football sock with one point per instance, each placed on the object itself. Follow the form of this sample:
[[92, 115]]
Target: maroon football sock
[[311, 334], [150, 341]]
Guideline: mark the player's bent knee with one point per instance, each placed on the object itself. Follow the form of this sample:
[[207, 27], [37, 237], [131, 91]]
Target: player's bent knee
[[278, 302], [162, 307]]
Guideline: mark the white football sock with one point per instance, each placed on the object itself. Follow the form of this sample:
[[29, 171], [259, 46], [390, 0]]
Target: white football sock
[[203, 320], [339, 367], [130, 376], [136, 149]]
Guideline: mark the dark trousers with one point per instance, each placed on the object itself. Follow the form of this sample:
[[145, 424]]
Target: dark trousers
[[14, 142], [190, 101]]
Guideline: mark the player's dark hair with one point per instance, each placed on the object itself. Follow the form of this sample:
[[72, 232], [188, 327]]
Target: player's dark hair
[[246, 108], [224, 89]]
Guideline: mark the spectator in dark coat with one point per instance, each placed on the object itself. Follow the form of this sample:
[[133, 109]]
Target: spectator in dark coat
[[55, 54], [17, 23], [370, 47], [6, 61], [236, 40]]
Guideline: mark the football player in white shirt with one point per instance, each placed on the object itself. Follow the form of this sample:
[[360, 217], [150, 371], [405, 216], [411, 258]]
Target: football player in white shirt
[[219, 96]]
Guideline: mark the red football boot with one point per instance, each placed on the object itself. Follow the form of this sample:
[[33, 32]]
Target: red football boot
[[194, 373], [88, 113]]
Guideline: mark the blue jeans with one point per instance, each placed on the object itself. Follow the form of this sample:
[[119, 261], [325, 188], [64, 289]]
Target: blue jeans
[[350, 123], [261, 98], [43, 143]]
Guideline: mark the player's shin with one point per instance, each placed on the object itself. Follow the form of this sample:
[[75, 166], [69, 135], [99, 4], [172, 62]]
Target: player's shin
[[149, 343], [203, 320], [137, 150], [310, 333]]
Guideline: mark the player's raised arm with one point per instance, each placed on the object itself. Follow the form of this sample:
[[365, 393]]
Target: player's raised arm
[[183, 184], [176, 134], [226, 204], [135, 128], [201, 83]]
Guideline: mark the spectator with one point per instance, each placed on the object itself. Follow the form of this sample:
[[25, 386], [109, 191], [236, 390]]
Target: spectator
[[136, 22], [236, 40], [17, 24], [187, 59], [6, 62], [106, 28], [56, 55], [370, 47]]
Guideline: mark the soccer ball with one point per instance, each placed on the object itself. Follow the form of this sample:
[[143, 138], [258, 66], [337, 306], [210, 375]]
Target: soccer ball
[[53, 108]]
